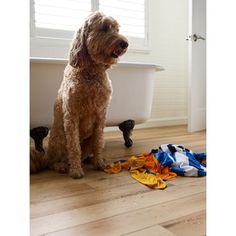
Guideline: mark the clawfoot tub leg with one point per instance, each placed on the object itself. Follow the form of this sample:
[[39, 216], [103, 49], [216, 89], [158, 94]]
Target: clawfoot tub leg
[[126, 127], [38, 134]]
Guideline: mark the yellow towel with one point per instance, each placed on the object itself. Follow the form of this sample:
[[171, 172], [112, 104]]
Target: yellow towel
[[149, 180]]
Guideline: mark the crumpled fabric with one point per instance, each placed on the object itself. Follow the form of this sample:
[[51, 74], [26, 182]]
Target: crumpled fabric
[[144, 168], [161, 164], [181, 160]]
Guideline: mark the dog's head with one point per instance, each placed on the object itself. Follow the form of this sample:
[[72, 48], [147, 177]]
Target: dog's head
[[97, 41]]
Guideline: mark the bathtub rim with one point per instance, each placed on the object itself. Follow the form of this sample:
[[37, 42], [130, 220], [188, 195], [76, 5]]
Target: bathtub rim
[[154, 66]]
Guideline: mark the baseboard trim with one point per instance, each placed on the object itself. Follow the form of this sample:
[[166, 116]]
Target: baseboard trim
[[161, 122]]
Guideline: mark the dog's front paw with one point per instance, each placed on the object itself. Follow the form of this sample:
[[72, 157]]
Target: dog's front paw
[[99, 163], [76, 173]]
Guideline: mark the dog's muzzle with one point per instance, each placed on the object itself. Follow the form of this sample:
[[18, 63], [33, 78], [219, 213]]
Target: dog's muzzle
[[120, 49]]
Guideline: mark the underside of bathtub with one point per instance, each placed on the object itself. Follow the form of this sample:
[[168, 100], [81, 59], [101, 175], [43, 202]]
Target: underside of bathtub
[[39, 133]]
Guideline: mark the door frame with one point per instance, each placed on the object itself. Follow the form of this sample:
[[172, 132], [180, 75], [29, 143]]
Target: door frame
[[196, 114]]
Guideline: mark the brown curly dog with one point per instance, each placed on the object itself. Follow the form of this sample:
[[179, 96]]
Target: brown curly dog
[[84, 95]]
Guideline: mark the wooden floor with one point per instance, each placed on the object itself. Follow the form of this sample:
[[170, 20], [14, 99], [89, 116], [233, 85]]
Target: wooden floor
[[103, 204]]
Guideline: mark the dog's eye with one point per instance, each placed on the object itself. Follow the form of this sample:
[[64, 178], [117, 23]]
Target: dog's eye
[[105, 28]]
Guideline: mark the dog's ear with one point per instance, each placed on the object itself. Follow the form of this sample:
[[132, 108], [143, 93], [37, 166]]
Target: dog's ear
[[78, 55]]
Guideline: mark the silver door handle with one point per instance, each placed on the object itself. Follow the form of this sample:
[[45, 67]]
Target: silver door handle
[[195, 37]]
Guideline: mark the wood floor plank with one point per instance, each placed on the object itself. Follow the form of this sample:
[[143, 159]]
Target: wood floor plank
[[138, 219], [193, 224], [95, 212], [44, 208], [69, 187], [51, 192], [151, 231]]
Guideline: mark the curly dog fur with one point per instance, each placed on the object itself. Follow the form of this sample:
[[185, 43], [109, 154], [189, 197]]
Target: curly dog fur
[[83, 97]]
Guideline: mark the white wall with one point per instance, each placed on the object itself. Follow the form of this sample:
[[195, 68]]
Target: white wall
[[168, 30]]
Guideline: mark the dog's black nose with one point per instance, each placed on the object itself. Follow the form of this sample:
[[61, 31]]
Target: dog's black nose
[[124, 44]]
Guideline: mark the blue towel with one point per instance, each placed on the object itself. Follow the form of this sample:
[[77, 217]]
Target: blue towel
[[181, 160]]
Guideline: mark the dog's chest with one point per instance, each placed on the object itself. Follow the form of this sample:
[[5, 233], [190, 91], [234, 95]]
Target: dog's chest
[[96, 96], [93, 104]]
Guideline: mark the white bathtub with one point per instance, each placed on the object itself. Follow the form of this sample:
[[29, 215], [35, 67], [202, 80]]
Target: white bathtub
[[132, 91]]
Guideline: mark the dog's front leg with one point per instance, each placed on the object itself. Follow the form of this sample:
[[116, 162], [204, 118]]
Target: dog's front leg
[[98, 143], [73, 146]]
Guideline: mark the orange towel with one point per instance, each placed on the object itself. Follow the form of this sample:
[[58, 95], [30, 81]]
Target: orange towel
[[144, 168]]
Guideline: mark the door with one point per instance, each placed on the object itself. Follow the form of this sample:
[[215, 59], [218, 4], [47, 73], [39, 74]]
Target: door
[[197, 66]]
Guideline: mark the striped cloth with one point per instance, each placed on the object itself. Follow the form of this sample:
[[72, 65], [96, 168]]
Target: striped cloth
[[181, 160]]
